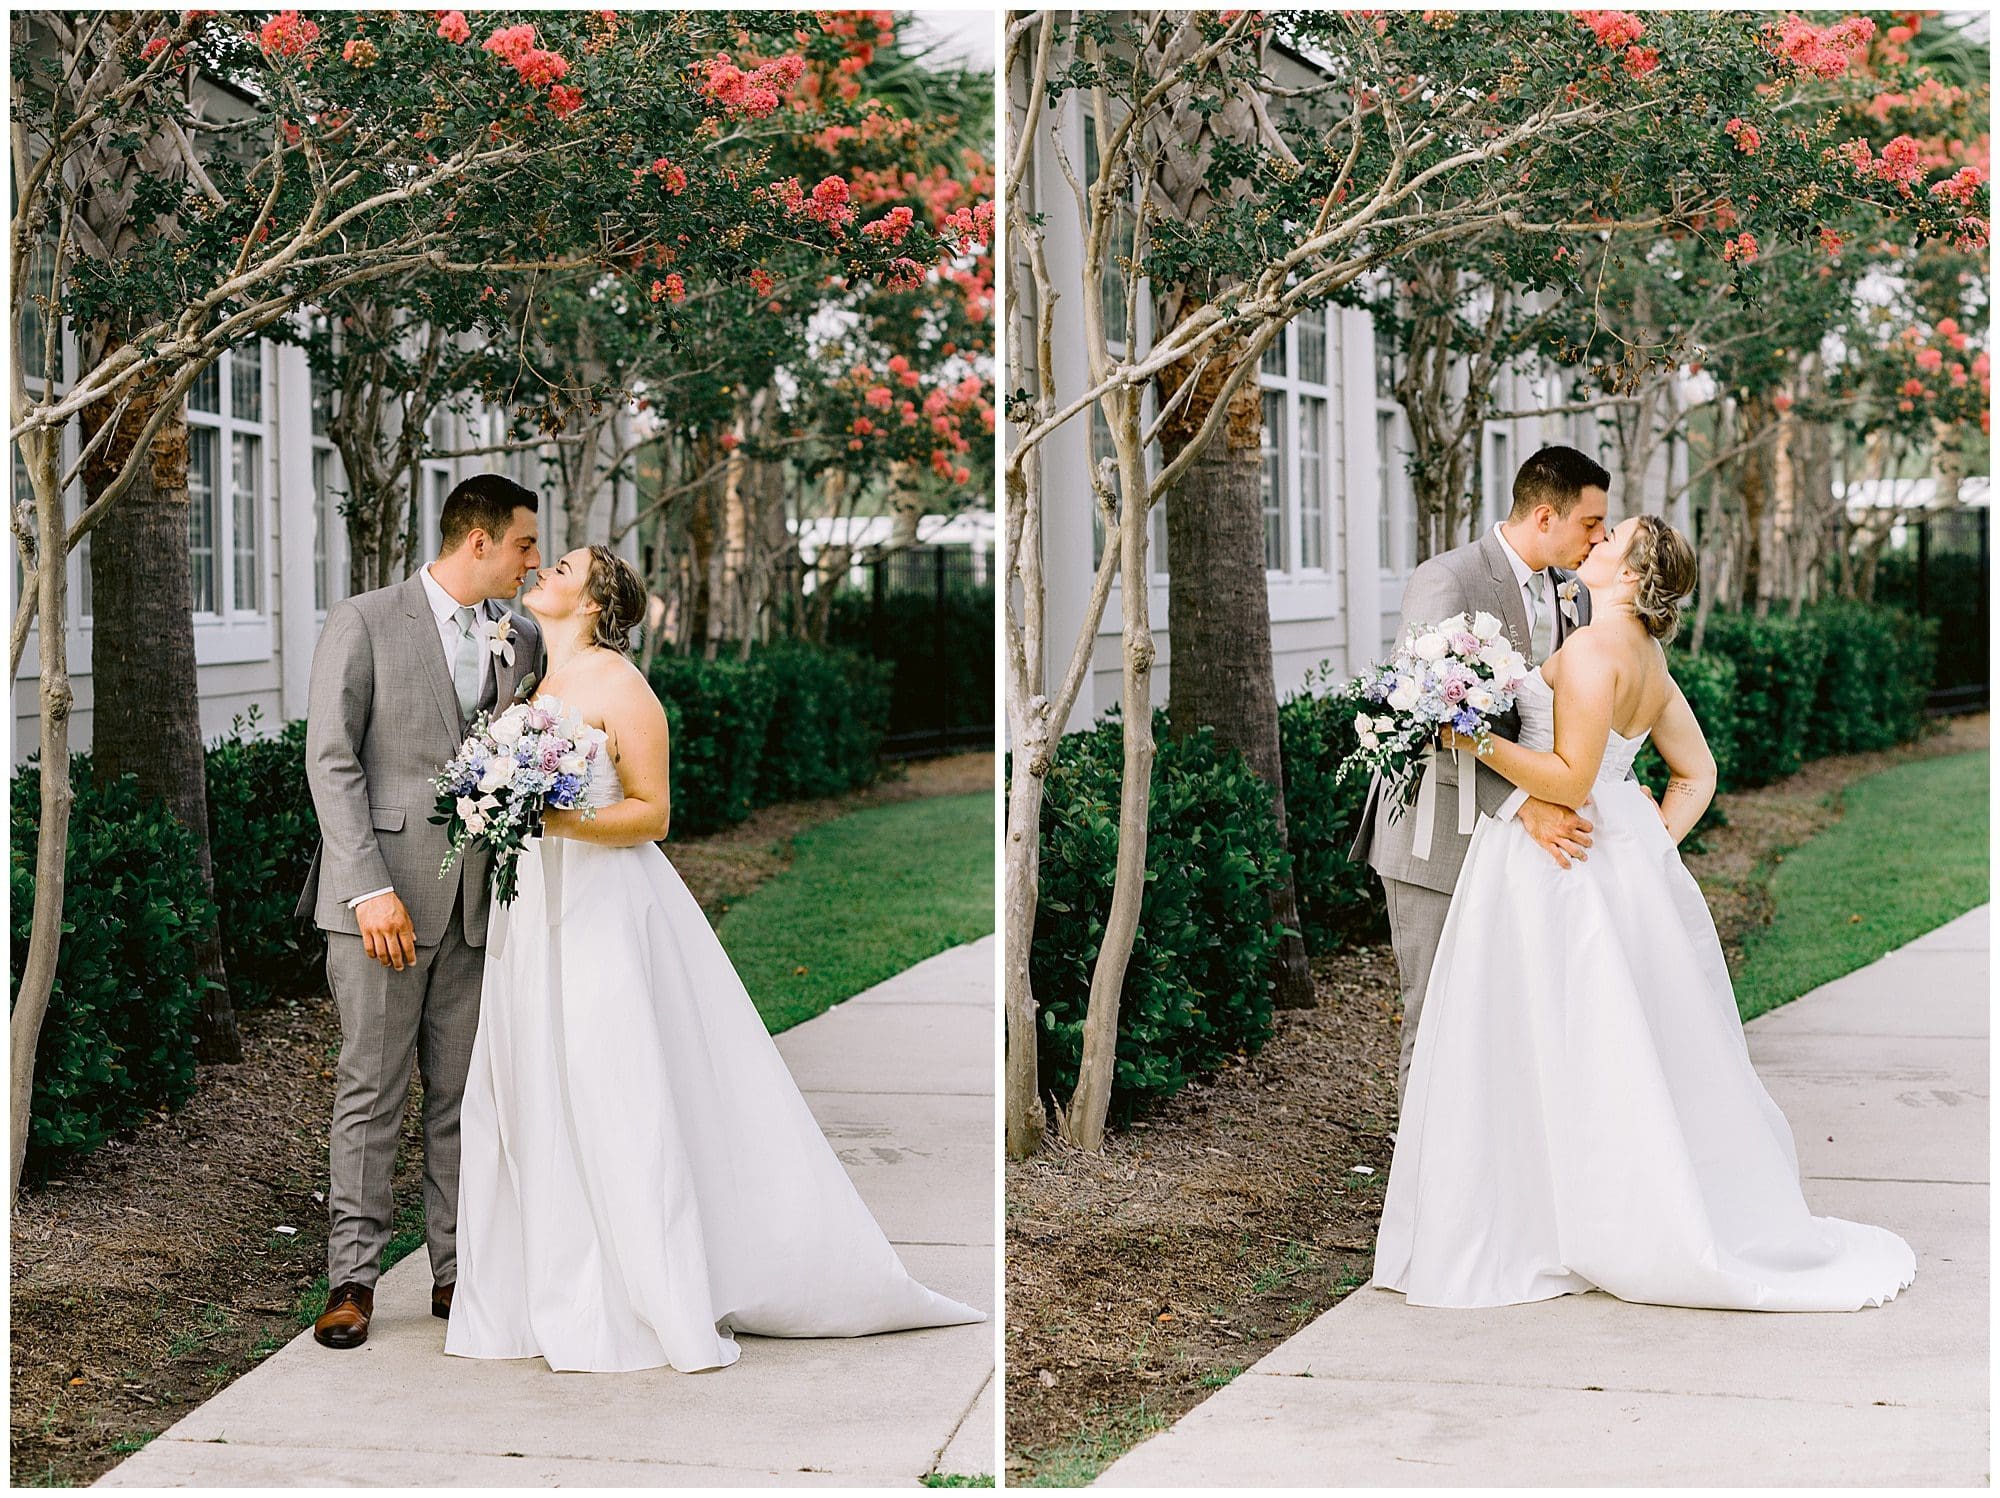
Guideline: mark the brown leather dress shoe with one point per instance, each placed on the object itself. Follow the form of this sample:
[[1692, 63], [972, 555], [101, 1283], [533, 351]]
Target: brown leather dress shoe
[[344, 1322], [441, 1300]]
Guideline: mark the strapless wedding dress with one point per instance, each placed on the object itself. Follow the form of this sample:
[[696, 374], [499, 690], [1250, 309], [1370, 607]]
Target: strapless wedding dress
[[640, 1178], [1581, 1110]]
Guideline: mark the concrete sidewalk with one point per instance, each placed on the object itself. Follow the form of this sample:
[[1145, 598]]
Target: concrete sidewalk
[[901, 1079], [1883, 1075]]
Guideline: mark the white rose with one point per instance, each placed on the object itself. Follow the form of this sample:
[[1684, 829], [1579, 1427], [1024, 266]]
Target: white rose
[[1385, 725], [506, 729], [1367, 740], [476, 823], [1479, 700], [1485, 626], [1453, 626], [1405, 696], [1494, 655], [498, 773], [1431, 646], [467, 808]]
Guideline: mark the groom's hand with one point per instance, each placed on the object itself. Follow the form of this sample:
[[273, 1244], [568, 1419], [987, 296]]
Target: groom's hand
[[1556, 828], [386, 932]]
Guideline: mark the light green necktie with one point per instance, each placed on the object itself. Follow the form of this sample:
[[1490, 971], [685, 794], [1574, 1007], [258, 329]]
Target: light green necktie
[[1542, 628], [465, 665]]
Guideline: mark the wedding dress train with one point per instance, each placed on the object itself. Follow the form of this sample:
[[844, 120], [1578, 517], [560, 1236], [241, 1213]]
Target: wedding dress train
[[1581, 1110], [640, 1177]]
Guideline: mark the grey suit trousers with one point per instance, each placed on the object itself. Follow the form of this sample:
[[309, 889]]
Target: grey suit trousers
[[427, 1014], [1416, 921]]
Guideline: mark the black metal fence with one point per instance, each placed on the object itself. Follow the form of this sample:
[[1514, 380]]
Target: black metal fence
[[1944, 572], [929, 610]]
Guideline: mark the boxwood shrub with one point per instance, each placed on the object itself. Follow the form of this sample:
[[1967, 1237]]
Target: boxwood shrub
[[1198, 986], [1340, 900], [118, 1040], [262, 831]]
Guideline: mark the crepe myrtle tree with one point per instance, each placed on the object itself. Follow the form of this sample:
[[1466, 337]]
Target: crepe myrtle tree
[[1419, 130], [353, 147]]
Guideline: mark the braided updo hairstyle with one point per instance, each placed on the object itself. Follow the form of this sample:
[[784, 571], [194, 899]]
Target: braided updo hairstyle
[[614, 586], [1664, 563]]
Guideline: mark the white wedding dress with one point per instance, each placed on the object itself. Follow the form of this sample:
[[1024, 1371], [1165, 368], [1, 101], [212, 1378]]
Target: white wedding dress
[[640, 1178], [1581, 1111]]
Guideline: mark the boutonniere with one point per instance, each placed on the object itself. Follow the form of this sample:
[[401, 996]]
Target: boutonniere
[[1566, 595], [526, 686], [500, 637]]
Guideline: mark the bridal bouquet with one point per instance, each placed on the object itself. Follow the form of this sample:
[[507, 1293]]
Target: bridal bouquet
[[1459, 673], [510, 769]]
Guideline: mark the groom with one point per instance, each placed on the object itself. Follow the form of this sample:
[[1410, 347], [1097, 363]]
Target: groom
[[397, 678], [1520, 572]]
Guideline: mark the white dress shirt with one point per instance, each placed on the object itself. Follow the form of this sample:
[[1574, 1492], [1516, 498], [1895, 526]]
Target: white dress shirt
[[446, 608], [1522, 574]]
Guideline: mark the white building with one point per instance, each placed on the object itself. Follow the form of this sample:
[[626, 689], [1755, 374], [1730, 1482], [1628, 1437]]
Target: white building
[[268, 546], [1340, 524]]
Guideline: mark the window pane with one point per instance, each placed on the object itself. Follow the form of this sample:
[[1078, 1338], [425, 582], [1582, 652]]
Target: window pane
[[1273, 481], [437, 483], [244, 473], [1385, 370], [1385, 485], [246, 382], [1111, 282], [34, 327], [1273, 362], [322, 400], [201, 517], [1312, 347], [206, 392], [322, 524], [1312, 481], [1500, 479]]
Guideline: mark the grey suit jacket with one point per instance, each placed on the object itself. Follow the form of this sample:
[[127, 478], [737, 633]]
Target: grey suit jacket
[[1471, 577], [381, 719]]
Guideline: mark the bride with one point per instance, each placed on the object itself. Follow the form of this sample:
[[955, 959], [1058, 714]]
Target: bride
[[1582, 1113], [641, 1179]]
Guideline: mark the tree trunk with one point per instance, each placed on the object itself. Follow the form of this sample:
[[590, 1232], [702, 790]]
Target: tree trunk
[[1026, 1120], [1219, 620], [146, 718], [42, 451], [1082, 1123]]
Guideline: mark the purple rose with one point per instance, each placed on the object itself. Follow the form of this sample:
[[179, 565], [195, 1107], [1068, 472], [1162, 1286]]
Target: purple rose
[[1454, 691], [1465, 643]]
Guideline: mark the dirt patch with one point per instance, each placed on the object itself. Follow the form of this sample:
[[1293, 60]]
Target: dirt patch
[[1141, 1279], [156, 1272], [1144, 1278]]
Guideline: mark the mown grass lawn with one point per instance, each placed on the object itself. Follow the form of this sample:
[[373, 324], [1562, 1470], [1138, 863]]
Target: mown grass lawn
[[1908, 854], [867, 895]]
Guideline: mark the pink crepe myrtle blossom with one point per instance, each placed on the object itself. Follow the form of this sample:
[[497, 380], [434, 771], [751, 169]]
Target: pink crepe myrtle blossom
[[287, 34], [452, 26], [1612, 28]]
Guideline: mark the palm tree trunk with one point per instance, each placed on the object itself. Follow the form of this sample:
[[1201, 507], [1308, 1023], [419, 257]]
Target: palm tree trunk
[[146, 718]]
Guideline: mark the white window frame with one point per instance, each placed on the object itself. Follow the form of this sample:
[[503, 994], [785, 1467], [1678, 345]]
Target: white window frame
[[1281, 375], [230, 633]]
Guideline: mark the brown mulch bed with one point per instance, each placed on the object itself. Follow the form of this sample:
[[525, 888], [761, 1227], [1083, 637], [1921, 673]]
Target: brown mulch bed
[[155, 1272], [1142, 1279]]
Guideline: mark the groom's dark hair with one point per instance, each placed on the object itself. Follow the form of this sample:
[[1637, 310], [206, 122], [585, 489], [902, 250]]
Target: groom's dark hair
[[1556, 477], [484, 502]]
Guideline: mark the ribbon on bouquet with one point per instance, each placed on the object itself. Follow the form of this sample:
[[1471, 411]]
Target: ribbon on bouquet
[[1468, 801]]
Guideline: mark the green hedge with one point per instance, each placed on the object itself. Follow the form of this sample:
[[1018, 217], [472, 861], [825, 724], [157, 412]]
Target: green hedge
[[118, 1040], [828, 735], [793, 720], [1198, 986], [262, 831], [1841, 678], [1340, 901]]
